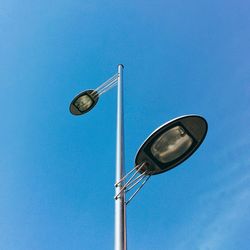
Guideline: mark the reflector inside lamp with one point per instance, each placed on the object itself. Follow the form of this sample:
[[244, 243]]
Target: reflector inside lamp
[[83, 103], [171, 144]]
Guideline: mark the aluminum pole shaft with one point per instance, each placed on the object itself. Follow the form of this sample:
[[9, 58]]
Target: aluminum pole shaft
[[120, 206]]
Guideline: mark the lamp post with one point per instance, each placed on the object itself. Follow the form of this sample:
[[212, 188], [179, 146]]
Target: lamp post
[[164, 149], [120, 206]]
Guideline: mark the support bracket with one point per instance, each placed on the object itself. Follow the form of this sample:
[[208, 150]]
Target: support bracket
[[136, 178]]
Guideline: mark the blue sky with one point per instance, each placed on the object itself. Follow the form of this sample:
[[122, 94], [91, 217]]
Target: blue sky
[[57, 171]]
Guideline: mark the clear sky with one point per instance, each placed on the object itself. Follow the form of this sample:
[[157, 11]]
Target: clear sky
[[57, 170]]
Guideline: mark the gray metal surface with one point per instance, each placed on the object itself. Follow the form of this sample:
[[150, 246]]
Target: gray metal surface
[[120, 206]]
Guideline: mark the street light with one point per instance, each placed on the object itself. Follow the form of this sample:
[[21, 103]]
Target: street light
[[171, 144], [164, 149], [84, 102]]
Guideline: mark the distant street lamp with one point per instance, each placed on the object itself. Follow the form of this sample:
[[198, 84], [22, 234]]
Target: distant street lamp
[[164, 149], [84, 102]]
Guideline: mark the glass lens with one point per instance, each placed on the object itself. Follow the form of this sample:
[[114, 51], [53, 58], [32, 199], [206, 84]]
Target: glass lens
[[171, 145], [83, 103]]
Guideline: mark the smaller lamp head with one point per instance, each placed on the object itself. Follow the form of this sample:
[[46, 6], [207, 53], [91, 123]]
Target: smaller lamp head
[[171, 144], [84, 102]]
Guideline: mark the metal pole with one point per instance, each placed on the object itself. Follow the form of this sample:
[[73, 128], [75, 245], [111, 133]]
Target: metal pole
[[120, 206]]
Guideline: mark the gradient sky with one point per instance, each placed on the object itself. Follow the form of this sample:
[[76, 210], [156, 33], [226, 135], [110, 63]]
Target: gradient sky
[[57, 170]]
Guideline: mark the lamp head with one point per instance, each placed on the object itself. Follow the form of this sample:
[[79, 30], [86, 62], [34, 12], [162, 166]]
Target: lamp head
[[84, 102], [171, 144]]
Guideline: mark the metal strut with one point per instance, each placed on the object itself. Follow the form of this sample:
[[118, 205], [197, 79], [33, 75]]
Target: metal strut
[[136, 178], [107, 85]]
